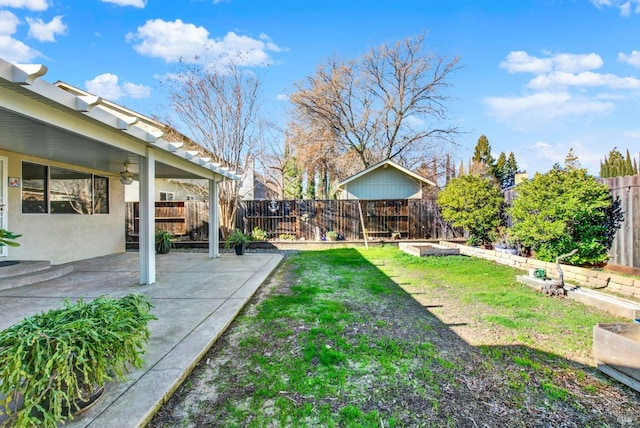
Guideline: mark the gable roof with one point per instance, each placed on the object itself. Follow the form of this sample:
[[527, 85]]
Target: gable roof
[[385, 164]]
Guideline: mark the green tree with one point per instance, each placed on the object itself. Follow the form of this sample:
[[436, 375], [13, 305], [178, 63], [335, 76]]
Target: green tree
[[482, 152], [616, 165], [559, 211], [571, 161], [499, 169], [510, 170], [473, 203], [628, 166]]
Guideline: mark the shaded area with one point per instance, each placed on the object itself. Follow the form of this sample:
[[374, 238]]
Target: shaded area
[[334, 341]]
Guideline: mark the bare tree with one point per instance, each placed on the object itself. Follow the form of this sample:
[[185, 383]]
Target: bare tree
[[387, 104], [219, 109], [276, 159]]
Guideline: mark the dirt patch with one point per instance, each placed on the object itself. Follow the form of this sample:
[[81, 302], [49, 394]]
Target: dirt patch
[[452, 370]]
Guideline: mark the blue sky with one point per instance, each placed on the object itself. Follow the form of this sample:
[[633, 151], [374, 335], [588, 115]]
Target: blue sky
[[539, 76]]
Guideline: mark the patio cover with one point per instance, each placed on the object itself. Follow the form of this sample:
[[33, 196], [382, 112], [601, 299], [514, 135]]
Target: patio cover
[[40, 119]]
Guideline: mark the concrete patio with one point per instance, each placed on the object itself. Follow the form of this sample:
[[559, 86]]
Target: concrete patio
[[195, 299]]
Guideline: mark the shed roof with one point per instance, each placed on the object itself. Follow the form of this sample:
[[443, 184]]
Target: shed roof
[[385, 164]]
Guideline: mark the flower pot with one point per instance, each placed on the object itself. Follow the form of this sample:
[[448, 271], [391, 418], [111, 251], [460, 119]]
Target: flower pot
[[163, 247], [239, 249], [84, 403]]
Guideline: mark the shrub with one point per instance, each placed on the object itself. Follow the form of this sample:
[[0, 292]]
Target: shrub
[[258, 234], [49, 360], [287, 237], [557, 212], [473, 203]]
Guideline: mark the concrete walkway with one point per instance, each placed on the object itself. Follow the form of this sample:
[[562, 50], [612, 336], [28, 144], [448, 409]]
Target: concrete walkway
[[195, 299]]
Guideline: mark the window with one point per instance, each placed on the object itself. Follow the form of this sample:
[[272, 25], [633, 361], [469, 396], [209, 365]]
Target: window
[[34, 188], [100, 195], [166, 196], [191, 198], [63, 191], [70, 191]]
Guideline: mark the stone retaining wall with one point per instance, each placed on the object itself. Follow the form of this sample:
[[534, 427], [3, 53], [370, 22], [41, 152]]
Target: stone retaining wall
[[591, 278]]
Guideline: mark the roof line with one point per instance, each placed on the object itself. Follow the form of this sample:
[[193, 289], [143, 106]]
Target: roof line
[[28, 76]]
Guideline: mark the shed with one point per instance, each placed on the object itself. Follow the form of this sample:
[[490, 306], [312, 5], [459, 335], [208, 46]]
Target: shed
[[384, 180], [383, 192]]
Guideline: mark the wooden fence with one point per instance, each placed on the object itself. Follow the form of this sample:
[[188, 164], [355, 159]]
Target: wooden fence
[[407, 219], [305, 219], [626, 245], [311, 219]]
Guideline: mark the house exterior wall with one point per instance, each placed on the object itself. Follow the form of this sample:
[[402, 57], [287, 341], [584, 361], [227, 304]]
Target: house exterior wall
[[382, 183], [63, 238], [179, 189]]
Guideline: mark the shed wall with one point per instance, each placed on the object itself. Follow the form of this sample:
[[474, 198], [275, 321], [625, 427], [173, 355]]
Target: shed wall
[[382, 183]]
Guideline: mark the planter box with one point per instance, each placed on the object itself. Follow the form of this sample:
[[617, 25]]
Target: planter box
[[421, 250], [616, 347]]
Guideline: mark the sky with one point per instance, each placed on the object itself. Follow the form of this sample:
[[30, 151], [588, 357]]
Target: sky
[[538, 77]]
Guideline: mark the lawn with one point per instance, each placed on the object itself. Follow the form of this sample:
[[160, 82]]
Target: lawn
[[375, 337]]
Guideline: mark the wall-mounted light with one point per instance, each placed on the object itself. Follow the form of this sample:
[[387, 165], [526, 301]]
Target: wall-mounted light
[[126, 177]]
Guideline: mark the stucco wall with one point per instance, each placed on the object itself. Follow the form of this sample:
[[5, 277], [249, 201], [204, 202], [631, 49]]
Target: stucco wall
[[62, 238], [592, 278]]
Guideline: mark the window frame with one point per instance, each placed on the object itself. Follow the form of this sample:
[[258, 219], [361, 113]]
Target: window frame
[[47, 192]]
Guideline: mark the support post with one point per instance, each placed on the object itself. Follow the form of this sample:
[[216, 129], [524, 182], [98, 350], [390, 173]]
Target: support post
[[146, 242], [214, 220], [364, 229]]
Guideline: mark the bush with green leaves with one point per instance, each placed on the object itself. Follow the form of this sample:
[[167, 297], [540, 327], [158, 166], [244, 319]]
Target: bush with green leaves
[[258, 234], [473, 203], [51, 360], [557, 212]]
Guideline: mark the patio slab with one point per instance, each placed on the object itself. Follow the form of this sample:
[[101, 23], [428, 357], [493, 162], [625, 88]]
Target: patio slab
[[195, 299]]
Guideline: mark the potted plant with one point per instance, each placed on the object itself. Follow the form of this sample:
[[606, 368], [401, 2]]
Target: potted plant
[[52, 363], [163, 241], [238, 240], [331, 235], [6, 238]]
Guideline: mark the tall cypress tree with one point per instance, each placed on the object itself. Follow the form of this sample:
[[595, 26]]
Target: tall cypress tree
[[628, 166]]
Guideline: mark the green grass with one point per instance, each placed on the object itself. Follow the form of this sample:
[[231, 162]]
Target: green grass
[[329, 351]]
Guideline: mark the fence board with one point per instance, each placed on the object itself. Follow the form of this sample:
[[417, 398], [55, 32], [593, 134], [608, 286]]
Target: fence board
[[311, 219], [625, 250]]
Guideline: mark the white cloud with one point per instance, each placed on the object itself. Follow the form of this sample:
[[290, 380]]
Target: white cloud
[[632, 59], [134, 3], [46, 31], [169, 40], [172, 41], [561, 79], [543, 107], [136, 91], [542, 152], [522, 62], [627, 7], [282, 97], [106, 85], [8, 23], [576, 63], [11, 49], [541, 145], [632, 134], [38, 5]]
